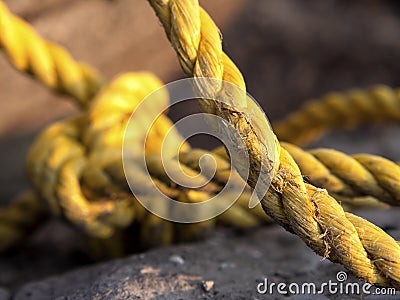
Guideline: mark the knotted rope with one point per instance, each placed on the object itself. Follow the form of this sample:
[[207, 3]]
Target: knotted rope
[[68, 161], [75, 165]]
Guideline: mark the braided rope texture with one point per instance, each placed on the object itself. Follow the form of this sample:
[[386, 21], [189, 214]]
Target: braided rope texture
[[308, 211]]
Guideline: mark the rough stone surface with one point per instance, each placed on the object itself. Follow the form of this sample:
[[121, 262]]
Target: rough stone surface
[[236, 262], [53, 249]]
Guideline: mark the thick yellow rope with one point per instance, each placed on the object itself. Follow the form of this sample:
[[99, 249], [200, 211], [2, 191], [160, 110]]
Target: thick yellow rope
[[349, 177], [75, 165], [338, 110], [355, 180], [46, 61], [302, 208]]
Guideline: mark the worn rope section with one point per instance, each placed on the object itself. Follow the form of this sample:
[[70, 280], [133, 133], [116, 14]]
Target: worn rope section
[[46, 61], [302, 208], [354, 180], [337, 110]]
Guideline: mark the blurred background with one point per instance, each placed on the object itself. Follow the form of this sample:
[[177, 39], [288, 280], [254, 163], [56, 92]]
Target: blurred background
[[288, 51]]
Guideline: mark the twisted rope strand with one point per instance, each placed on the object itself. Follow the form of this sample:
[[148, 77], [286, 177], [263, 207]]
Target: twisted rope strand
[[305, 210], [87, 188], [48, 62], [347, 176], [337, 110]]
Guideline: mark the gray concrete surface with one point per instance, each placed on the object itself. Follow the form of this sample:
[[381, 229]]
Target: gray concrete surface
[[236, 262]]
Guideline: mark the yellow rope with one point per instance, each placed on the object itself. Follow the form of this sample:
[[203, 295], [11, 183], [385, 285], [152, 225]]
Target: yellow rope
[[75, 165], [337, 110], [350, 177], [302, 208], [46, 61]]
